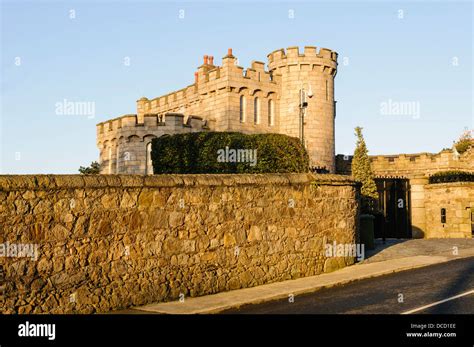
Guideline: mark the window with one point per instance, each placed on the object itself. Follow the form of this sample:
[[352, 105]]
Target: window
[[149, 163], [326, 89], [117, 157], [271, 112], [243, 107], [443, 215], [110, 160], [256, 111], [472, 223]]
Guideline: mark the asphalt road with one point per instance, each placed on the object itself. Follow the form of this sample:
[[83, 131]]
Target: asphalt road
[[390, 294]]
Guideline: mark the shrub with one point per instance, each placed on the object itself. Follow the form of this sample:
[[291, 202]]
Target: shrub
[[93, 169], [452, 176], [203, 152], [464, 142]]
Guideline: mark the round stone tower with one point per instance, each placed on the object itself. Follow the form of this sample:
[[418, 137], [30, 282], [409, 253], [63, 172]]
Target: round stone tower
[[306, 83]]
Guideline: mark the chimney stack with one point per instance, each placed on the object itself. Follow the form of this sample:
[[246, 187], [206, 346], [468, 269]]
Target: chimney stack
[[229, 51], [196, 74], [211, 60], [205, 59]]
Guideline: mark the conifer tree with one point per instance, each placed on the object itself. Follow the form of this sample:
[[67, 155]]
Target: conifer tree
[[362, 172]]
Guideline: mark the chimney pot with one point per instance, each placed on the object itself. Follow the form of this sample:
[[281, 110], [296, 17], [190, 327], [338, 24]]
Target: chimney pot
[[229, 51], [205, 59], [211, 60], [196, 74]]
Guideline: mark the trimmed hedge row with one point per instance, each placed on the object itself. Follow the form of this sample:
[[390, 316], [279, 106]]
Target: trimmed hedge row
[[451, 176], [227, 152]]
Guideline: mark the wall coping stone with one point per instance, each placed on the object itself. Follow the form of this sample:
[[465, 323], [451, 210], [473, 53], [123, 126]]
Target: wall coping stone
[[449, 185], [77, 181]]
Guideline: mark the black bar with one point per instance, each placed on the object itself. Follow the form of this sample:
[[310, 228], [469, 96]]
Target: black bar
[[223, 330]]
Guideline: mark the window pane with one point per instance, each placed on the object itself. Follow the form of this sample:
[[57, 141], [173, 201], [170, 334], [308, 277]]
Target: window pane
[[242, 108], [256, 111]]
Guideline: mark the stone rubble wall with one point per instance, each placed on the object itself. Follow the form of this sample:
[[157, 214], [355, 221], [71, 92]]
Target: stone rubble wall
[[109, 242]]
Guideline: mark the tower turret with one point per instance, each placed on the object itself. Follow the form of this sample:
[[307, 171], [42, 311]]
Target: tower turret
[[306, 83]]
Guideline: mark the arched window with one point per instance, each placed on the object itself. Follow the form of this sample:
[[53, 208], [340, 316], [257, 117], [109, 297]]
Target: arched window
[[117, 157], [271, 112], [149, 163], [243, 108], [256, 111], [110, 160]]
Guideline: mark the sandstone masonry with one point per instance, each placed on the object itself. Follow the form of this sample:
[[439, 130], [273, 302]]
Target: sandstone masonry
[[457, 199], [112, 241], [227, 98], [427, 200]]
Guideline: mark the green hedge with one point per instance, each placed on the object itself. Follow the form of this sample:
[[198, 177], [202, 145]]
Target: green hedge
[[452, 176], [204, 152]]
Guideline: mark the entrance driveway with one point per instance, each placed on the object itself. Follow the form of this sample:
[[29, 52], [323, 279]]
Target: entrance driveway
[[402, 248]]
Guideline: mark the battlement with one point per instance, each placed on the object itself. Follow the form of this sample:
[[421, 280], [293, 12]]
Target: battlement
[[127, 125], [407, 165], [282, 57], [414, 159], [209, 78]]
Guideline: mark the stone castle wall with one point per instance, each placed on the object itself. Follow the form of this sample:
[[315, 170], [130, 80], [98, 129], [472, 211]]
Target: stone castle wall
[[216, 97], [458, 200], [111, 241], [409, 165], [125, 147], [412, 165]]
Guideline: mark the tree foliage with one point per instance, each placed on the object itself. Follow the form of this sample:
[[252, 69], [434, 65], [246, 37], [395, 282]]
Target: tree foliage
[[362, 172], [202, 152], [464, 142], [93, 169]]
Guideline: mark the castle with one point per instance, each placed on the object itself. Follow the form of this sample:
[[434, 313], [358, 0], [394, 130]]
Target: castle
[[295, 97]]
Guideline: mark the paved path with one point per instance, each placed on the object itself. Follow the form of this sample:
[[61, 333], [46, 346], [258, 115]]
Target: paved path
[[396, 248], [394, 256]]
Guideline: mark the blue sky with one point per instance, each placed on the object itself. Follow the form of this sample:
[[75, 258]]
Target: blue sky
[[424, 58]]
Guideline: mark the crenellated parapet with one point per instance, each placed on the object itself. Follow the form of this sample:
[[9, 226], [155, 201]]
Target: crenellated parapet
[[123, 141], [322, 59], [422, 163], [123, 127], [411, 165], [211, 81]]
